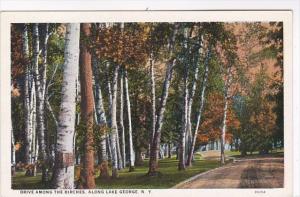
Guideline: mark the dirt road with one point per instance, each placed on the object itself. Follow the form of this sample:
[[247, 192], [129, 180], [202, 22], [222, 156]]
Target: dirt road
[[248, 173]]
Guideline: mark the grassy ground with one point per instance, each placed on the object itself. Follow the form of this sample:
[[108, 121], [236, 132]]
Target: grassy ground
[[168, 177]]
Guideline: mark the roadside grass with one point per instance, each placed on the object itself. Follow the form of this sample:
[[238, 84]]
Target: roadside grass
[[168, 176]]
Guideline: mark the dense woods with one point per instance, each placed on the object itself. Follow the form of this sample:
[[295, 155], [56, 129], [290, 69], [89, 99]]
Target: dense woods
[[111, 96]]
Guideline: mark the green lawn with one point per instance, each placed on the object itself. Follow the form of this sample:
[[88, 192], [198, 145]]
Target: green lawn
[[168, 177]]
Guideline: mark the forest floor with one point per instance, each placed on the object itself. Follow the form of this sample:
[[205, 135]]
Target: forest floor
[[249, 172], [168, 176]]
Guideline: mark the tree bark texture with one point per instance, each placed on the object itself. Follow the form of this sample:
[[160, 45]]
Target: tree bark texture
[[63, 176], [87, 107]]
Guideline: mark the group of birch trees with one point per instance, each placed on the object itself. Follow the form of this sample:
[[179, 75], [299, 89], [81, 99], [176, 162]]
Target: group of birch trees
[[95, 94]]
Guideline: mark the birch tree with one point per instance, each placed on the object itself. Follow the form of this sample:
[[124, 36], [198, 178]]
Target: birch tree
[[199, 112], [114, 128], [123, 144], [155, 144], [40, 103], [63, 175], [224, 125], [131, 151], [28, 120], [101, 121]]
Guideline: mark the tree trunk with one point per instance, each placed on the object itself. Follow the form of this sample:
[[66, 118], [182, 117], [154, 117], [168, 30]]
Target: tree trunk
[[13, 155], [182, 145], [191, 99], [110, 107], [169, 150], [63, 176], [34, 145], [40, 104], [28, 130], [223, 134], [101, 121], [153, 98], [114, 128], [153, 162], [87, 108], [202, 99], [131, 151], [122, 119]]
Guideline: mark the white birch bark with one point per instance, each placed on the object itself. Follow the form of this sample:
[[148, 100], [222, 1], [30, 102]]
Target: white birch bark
[[202, 99], [34, 145], [155, 144], [114, 127], [191, 97], [28, 123], [184, 134], [153, 97], [224, 125], [13, 154], [64, 164], [100, 120], [131, 151], [122, 119], [40, 103]]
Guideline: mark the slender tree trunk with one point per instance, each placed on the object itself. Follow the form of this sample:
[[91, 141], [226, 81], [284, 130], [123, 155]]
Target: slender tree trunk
[[122, 119], [169, 150], [119, 154], [27, 143], [114, 128], [153, 99], [34, 130], [131, 151], [191, 99], [202, 99], [155, 144], [87, 108], [110, 107], [182, 146], [224, 125], [40, 104], [184, 129], [63, 176], [101, 121], [13, 155]]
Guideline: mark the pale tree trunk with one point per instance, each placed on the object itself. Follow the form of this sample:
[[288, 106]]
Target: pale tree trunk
[[183, 135], [101, 121], [45, 55], [131, 151], [119, 154], [114, 128], [224, 125], [153, 99], [202, 99], [191, 97], [27, 143], [13, 154], [63, 175], [87, 108], [34, 145], [182, 145], [155, 144], [122, 119], [43, 90], [40, 104]]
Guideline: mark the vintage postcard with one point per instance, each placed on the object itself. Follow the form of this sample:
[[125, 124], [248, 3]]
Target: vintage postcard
[[146, 103]]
